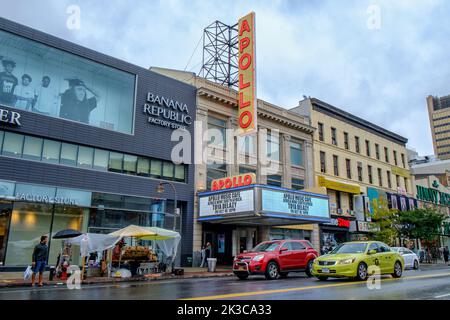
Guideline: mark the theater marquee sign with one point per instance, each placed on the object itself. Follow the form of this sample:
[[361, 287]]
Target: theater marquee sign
[[227, 203], [166, 112]]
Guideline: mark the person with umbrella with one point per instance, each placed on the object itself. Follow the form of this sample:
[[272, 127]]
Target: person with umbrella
[[39, 259]]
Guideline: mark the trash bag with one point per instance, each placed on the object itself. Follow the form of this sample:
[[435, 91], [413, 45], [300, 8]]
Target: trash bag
[[27, 274]]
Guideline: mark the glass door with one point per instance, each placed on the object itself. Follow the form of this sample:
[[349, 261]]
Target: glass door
[[5, 218]]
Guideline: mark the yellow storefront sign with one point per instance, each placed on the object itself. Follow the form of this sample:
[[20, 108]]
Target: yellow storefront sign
[[339, 186], [400, 172]]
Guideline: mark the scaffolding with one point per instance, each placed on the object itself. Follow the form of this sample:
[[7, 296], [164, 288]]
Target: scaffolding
[[220, 54]]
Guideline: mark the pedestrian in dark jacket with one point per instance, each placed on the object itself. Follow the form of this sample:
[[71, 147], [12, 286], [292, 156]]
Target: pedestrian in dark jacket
[[39, 259]]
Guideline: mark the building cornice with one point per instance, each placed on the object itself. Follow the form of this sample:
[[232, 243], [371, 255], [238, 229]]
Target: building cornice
[[322, 106]]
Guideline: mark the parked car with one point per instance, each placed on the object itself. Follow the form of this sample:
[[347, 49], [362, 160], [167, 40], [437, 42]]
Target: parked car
[[353, 259], [411, 259], [276, 258]]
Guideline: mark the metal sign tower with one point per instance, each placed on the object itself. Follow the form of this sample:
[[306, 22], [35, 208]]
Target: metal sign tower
[[220, 54]]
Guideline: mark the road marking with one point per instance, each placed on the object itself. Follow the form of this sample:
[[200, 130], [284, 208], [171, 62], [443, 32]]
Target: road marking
[[265, 292], [443, 296]]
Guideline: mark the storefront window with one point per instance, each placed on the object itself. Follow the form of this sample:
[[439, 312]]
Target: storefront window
[[55, 152], [5, 215], [273, 145], [32, 148], [12, 145], [156, 169], [143, 167], [29, 221], [216, 132], [129, 164], [51, 151], [85, 157], [115, 162], [296, 154], [244, 170], [101, 159], [274, 180], [69, 154], [215, 171], [67, 218], [179, 173], [298, 184], [59, 84], [168, 170]]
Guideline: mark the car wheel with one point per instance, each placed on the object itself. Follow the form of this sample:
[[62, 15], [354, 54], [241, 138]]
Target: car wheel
[[321, 278], [361, 272], [284, 274], [272, 271], [397, 270], [242, 276], [309, 267], [416, 265]]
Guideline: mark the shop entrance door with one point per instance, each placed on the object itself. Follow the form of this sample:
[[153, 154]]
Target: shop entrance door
[[220, 238], [5, 218]]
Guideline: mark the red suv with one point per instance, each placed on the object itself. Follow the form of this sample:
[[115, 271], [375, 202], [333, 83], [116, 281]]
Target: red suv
[[276, 258]]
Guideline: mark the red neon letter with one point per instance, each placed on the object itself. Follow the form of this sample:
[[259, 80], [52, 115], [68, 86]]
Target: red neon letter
[[243, 85], [245, 125], [243, 43], [247, 57], [244, 27], [243, 104]]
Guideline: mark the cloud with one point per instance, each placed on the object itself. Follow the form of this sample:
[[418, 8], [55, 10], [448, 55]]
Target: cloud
[[316, 48]]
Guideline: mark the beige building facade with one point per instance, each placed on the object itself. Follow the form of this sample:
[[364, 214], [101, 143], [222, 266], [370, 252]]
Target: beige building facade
[[353, 157], [439, 115], [283, 158]]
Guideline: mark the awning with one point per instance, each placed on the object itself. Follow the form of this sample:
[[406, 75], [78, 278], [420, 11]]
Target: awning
[[339, 186], [133, 231]]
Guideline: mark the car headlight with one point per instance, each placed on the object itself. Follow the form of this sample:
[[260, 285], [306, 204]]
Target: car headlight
[[258, 258], [347, 261]]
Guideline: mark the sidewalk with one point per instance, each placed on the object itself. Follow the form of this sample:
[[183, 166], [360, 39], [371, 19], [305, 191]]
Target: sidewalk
[[15, 279], [434, 266]]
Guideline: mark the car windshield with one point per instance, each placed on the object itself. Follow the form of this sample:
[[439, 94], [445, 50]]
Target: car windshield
[[350, 248], [265, 247]]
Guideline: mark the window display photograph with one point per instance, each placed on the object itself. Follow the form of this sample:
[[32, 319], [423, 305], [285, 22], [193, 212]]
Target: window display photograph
[[48, 81]]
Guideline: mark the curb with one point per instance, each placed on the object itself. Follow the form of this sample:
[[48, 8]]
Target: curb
[[13, 284]]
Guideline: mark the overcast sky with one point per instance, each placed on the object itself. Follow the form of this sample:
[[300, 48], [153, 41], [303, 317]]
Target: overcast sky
[[322, 49]]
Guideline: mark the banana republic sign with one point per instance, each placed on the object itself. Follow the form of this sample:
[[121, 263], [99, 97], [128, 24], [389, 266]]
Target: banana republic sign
[[166, 112], [10, 117]]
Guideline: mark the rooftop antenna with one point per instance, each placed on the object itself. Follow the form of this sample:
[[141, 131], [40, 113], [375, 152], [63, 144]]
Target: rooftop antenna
[[220, 54]]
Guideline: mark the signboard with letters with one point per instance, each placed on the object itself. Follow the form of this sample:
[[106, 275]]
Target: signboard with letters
[[238, 201], [247, 75], [166, 112], [242, 180], [292, 203]]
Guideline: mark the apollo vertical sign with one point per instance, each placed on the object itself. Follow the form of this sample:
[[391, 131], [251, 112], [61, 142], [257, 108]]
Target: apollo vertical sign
[[247, 75]]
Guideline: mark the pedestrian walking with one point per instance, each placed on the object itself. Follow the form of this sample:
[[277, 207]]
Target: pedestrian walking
[[39, 260], [203, 257], [446, 254], [208, 253]]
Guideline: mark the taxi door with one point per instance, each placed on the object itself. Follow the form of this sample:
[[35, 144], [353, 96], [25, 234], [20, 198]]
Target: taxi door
[[374, 259]]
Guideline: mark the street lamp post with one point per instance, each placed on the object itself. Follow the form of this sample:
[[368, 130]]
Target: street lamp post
[[160, 189]]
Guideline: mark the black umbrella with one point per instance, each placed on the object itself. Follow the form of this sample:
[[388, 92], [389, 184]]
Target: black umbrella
[[68, 233]]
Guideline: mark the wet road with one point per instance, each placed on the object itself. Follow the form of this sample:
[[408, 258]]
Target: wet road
[[413, 285]]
